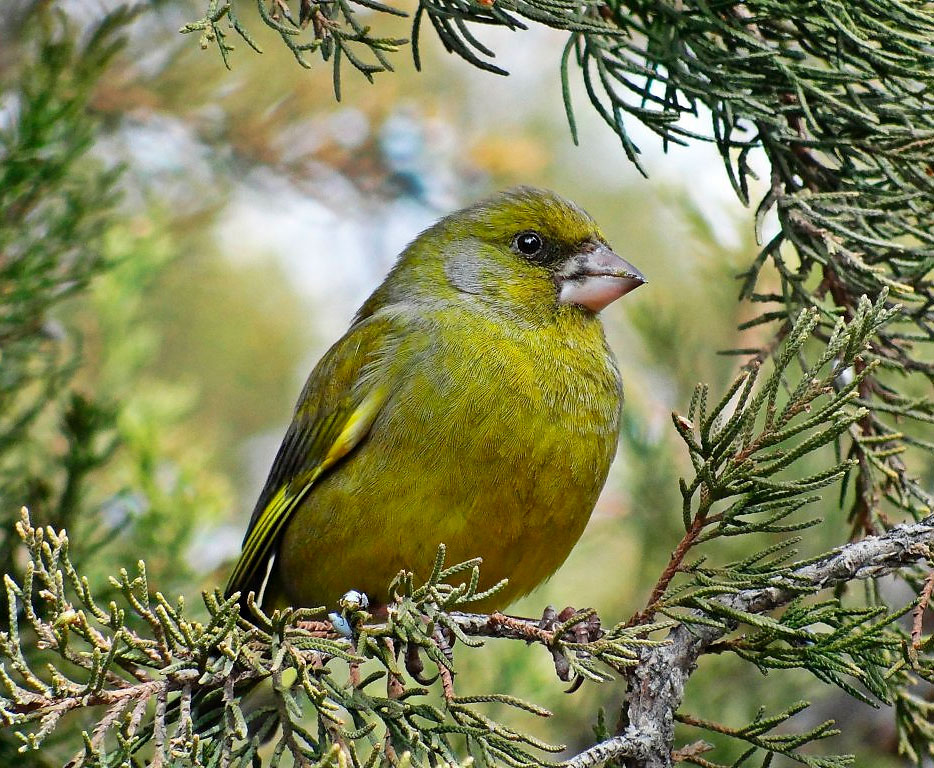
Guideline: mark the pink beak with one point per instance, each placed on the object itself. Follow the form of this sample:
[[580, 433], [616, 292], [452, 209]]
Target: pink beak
[[596, 277]]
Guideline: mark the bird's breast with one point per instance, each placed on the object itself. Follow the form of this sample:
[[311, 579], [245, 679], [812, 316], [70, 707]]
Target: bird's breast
[[496, 441], [516, 432]]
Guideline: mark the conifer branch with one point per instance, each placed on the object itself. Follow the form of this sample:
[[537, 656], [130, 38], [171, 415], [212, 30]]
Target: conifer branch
[[657, 670], [656, 684]]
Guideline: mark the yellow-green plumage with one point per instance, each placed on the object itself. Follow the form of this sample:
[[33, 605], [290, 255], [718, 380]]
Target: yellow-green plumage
[[466, 405]]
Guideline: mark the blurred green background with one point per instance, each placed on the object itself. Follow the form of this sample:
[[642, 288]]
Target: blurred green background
[[257, 213]]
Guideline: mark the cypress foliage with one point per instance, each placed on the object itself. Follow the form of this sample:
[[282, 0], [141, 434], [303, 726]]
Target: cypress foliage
[[838, 97]]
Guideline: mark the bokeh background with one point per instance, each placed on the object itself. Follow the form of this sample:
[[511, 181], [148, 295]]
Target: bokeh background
[[257, 213]]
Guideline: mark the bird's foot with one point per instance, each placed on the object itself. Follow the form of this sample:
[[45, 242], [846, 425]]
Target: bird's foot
[[583, 625], [353, 612], [318, 628], [415, 667], [579, 627]]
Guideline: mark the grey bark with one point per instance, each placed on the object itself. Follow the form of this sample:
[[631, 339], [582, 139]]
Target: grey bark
[[656, 685]]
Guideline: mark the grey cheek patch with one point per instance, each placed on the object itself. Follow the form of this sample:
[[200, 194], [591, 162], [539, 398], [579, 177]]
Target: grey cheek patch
[[465, 272]]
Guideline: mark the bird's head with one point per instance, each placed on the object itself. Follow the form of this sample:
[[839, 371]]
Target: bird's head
[[526, 251], [533, 246]]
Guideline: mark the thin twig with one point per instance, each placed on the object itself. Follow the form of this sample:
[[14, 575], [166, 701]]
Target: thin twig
[[917, 615], [671, 570]]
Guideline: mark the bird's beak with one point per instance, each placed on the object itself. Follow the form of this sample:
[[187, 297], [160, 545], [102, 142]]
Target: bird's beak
[[595, 277]]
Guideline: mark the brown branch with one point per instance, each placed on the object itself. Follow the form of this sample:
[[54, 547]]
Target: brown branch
[[690, 752], [671, 570], [523, 627], [917, 615], [656, 684], [447, 683]]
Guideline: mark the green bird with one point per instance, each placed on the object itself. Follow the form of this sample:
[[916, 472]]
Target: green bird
[[474, 402]]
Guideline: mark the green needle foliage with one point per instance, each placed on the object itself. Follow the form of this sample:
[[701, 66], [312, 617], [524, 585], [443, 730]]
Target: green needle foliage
[[53, 214], [741, 447], [219, 690], [834, 393], [68, 449], [55, 207], [759, 733]]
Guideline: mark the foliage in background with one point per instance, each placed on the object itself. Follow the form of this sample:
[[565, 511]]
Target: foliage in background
[[53, 215], [89, 451], [54, 207], [850, 183]]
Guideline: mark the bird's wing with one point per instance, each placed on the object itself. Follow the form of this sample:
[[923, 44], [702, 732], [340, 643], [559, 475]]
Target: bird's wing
[[342, 398]]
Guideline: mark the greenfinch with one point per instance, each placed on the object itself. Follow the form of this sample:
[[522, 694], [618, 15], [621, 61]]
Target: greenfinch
[[474, 402]]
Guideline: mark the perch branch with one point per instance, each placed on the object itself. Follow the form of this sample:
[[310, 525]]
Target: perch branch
[[656, 684]]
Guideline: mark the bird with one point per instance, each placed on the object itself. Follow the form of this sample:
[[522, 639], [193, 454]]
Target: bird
[[474, 401]]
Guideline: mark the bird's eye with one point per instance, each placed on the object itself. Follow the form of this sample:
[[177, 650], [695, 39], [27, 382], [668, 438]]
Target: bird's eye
[[528, 243]]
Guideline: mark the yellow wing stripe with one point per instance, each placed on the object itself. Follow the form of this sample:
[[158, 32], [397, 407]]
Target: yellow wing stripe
[[262, 535], [356, 426]]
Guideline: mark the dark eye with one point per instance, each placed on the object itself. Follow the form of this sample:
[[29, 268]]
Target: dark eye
[[528, 243]]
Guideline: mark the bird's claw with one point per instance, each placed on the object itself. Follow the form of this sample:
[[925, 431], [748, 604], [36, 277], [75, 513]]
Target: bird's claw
[[353, 606], [415, 667], [353, 601], [585, 631]]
